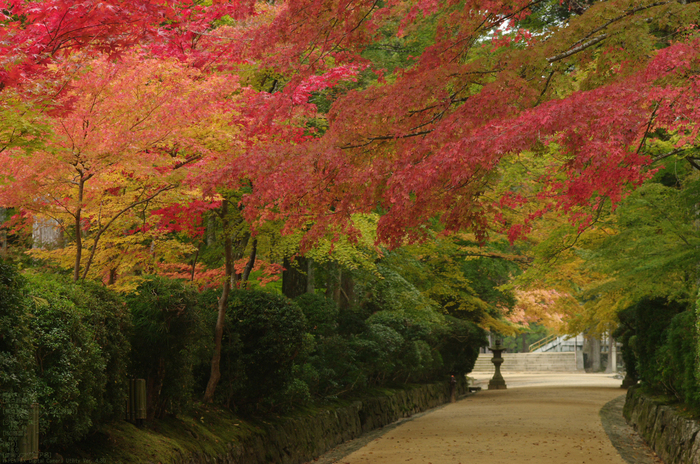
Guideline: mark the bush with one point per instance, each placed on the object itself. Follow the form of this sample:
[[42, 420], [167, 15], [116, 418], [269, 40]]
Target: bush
[[265, 333], [64, 346], [321, 314], [110, 320], [653, 318], [17, 367], [414, 359], [334, 365], [80, 355], [678, 363], [169, 328], [459, 345]]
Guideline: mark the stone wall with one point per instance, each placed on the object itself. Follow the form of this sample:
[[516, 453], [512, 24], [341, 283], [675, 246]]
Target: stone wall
[[673, 436], [301, 439]]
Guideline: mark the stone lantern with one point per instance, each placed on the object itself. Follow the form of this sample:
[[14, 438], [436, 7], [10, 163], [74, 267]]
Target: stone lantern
[[497, 382]]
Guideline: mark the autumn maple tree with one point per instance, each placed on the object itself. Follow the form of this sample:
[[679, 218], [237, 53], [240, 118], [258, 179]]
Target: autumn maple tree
[[285, 112], [115, 147], [430, 140]]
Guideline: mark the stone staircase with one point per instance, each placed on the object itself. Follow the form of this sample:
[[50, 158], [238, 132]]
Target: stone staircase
[[528, 362]]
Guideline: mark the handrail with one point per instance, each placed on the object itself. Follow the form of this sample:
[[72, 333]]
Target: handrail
[[540, 343]]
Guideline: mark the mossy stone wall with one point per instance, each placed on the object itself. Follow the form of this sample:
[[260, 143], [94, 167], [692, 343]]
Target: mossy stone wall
[[673, 436], [301, 439]]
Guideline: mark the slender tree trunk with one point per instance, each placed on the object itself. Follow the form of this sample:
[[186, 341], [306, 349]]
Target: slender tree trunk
[[595, 353], [336, 289], [215, 374], [251, 263], [330, 280], [612, 355], [78, 230], [112, 276], [238, 252], [310, 276], [347, 290], [523, 339], [211, 232], [3, 233], [294, 278]]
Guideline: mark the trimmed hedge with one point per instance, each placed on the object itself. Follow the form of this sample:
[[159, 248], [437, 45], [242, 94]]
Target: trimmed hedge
[[662, 336], [63, 345], [17, 372], [263, 336], [169, 329]]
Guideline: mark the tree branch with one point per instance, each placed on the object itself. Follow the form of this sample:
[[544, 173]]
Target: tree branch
[[106, 226], [577, 49]]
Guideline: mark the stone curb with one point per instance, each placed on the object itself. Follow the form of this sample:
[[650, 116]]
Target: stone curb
[[631, 446]]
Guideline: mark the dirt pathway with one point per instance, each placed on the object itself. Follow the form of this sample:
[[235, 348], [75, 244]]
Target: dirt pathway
[[539, 419]]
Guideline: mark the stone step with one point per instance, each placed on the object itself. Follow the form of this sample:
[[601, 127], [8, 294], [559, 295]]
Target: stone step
[[528, 362]]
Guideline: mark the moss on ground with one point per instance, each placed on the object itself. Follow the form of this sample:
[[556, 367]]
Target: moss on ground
[[206, 431]]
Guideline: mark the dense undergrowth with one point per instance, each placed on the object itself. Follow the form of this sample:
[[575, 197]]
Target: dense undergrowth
[[660, 346], [70, 347]]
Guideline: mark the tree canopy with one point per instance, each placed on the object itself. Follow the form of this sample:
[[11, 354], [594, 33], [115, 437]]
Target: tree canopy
[[355, 127]]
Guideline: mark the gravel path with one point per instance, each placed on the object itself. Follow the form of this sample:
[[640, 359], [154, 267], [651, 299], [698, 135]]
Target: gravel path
[[540, 419]]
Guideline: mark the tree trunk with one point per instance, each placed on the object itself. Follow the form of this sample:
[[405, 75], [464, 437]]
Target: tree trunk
[[294, 278], [78, 231], [112, 279], [595, 354], [331, 281], [3, 233], [194, 261], [612, 355], [238, 252], [347, 291], [211, 232], [310, 276], [215, 374], [523, 340], [250, 264]]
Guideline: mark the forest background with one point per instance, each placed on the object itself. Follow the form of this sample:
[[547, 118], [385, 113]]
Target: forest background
[[426, 170]]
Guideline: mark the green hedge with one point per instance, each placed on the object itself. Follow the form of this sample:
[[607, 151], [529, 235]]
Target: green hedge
[[263, 336], [17, 365], [662, 336], [79, 352], [677, 365], [653, 319], [169, 333], [71, 347]]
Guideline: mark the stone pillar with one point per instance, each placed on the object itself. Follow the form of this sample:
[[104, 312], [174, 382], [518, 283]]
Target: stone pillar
[[612, 355], [595, 354], [579, 352]]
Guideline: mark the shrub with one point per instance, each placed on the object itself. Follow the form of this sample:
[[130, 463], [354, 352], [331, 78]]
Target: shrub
[[334, 366], [321, 314], [73, 355], [17, 368], [110, 320], [264, 335], [414, 360], [168, 328], [459, 345], [653, 318], [678, 363], [69, 342]]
